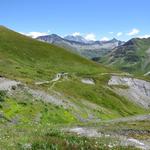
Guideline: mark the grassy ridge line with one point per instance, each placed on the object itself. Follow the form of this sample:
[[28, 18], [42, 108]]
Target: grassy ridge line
[[24, 57]]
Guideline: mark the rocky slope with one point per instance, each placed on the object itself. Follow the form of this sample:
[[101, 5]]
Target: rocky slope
[[135, 89]]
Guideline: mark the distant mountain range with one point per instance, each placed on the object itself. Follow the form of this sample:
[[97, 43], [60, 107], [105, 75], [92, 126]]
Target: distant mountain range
[[132, 56], [78, 44]]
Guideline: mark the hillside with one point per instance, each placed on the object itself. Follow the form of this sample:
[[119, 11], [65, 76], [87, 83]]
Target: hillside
[[28, 58], [133, 56], [30, 61], [45, 88]]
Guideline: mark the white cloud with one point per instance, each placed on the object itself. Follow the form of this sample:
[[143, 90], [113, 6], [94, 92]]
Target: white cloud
[[119, 34], [35, 34], [76, 34], [144, 36], [111, 32], [133, 32], [104, 39], [90, 37]]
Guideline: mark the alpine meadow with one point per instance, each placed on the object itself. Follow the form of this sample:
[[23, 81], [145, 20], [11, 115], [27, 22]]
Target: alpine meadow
[[76, 86]]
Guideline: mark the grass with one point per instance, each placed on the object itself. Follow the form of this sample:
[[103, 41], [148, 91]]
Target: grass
[[37, 125], [28, 59], [35, 122], [117, 106], [42, 137], [30, 111], [74, 142]]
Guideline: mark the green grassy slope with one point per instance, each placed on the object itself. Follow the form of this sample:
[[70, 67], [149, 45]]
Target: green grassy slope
[[29, 60], [133, 56], [34, 123], [24, 57]]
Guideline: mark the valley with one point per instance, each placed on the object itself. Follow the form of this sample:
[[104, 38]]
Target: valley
[[51, 98]]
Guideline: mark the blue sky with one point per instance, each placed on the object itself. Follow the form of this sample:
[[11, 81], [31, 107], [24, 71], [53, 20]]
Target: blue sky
[[94, 19]]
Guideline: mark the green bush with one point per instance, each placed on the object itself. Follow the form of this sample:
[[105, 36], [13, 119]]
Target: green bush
[[2, 95]]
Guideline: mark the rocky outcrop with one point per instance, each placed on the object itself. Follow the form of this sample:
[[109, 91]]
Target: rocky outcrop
[[88, 81], [136, 90], [7, 85]]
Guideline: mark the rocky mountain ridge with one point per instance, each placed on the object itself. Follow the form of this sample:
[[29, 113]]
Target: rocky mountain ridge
[[77, 44]]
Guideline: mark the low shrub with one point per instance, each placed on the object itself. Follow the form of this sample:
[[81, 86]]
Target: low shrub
[[2, 95]]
